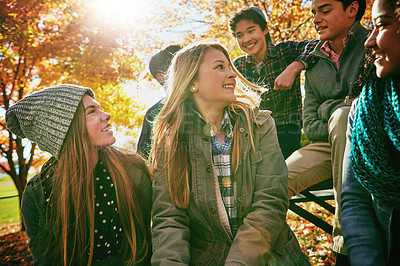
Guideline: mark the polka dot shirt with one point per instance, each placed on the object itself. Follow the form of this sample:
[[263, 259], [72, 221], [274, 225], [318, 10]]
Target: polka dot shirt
[[108, 231]]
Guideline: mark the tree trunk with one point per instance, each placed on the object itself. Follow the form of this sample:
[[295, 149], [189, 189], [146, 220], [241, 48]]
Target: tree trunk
[[20, 210], [20, 182]]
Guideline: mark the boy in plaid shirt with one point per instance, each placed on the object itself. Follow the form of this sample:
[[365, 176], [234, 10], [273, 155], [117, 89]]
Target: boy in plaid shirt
[[264, 64]]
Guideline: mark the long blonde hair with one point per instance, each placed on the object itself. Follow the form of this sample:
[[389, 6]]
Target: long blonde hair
[[72, 201], [170, 123]]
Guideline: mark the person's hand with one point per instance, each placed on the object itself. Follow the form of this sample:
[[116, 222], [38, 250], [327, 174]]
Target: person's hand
[[286, 79]]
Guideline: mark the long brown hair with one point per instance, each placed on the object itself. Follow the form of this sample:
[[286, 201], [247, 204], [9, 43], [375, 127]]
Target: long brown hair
[[72, 199], [169, 131]]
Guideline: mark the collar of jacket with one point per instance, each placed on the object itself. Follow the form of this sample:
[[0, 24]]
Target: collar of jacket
[[356, 32], [260, 117]]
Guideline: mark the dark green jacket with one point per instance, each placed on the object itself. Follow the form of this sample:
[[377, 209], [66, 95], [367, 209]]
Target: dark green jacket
[[34, 210]]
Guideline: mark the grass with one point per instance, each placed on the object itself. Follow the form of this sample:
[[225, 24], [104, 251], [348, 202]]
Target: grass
[[6, 178], [9, 210]]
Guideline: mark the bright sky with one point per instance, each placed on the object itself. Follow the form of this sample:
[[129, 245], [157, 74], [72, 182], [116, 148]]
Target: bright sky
[[133, 13], [121, 11], [138, 13]]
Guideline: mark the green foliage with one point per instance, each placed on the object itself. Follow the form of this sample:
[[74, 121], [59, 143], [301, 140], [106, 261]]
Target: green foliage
[[124, 113]]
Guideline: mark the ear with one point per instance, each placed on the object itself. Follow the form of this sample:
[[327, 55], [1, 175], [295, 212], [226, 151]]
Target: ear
[[160, 78], [266, 30], [352, 9], [193, 86]]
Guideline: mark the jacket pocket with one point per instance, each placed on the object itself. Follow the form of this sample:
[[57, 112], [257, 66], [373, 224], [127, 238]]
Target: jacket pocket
[[287, 251], [207, 253]]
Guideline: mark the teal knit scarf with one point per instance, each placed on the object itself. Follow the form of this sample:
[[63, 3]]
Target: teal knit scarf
[[375, 153]]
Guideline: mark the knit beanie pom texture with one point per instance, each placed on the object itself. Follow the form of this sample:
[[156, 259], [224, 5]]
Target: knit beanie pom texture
[[44, 117]]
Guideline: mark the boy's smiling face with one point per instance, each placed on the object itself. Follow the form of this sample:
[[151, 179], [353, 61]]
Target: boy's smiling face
[[251, 39], [331, 21]]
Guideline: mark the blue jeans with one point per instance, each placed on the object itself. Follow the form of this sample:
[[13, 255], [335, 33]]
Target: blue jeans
[[289, 137]]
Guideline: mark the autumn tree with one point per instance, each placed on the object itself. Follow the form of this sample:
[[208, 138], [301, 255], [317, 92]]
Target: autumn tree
[[286, 20], [47, 42]]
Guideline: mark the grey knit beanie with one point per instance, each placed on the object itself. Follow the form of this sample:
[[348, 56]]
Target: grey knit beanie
[[44, 117]]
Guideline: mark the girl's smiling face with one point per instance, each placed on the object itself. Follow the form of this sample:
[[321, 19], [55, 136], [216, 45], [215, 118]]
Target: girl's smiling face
[[97, 123], [384, 40], [215, 83]]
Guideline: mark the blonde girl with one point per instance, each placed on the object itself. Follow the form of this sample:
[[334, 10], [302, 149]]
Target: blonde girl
[[220, 189]]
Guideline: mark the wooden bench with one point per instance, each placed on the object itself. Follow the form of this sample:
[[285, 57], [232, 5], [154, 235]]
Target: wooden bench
[[318, 193]]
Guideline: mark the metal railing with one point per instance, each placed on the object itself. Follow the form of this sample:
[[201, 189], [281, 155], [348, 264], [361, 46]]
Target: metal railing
[[8, 197]]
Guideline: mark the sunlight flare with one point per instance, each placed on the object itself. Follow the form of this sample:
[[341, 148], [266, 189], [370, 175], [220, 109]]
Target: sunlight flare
[[118, 11]]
